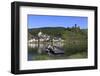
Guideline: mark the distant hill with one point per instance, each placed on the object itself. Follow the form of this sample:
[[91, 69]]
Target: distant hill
[[47, 30], [50, 28]]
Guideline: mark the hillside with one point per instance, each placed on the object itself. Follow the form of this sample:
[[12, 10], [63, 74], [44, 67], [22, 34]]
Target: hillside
[[61, 31]]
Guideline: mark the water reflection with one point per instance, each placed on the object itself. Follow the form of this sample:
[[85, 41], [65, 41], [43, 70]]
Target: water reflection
[[41, 46], [47, 48], [56, 50], [35, 45]]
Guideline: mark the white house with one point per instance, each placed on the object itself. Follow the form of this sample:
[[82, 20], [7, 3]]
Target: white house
[[33, 40], [44, 37]]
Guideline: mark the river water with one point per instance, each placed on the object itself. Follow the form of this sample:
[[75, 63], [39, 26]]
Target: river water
[[37, 51]]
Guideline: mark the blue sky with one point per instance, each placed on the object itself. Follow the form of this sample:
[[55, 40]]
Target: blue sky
[[37, 21]]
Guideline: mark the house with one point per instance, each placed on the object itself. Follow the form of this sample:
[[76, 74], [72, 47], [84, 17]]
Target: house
[[55, 39], [34, 39], [44, 37]]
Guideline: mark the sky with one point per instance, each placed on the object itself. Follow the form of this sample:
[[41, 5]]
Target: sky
[[38, 21]]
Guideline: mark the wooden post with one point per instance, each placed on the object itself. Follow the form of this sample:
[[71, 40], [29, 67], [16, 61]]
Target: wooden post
[[39, 49], [52, 41], [38, 42]]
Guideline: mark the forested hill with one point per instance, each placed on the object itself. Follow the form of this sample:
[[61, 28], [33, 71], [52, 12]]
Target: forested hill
[[47, 30], [55, 31], [43, 29]]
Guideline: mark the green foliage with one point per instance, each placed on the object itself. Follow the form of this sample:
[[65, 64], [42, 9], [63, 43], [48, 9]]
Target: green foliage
[[75, 46], [78, 55], [42, 57]]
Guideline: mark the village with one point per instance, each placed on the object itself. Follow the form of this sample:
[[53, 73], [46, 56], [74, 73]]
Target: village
[[49, 48], [44, 38]]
